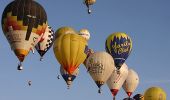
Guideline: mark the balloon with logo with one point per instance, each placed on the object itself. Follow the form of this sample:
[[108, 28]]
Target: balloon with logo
[[67, 77], [85, 33], [116, 80], [138, 97], [100, 65], [155, 93], [46, 42], [88, 3], [64, 30], [131, 82], [119, 45], [23, 23], [69, 50]]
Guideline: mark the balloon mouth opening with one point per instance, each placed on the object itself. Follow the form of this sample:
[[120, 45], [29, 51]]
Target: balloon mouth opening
[[41, 52], [129, 94], [21, 57], [20, 53], [99, 83], [114, 92]]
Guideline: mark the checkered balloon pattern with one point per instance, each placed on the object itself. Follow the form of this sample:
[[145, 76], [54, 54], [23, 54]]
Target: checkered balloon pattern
[[46, 41]]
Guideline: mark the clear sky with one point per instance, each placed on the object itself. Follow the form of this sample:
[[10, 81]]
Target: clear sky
[[147, 22]]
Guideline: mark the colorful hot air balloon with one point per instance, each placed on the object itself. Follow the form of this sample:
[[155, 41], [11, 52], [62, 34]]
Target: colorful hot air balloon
[[128, 99], [119, 45], [116, 80], [85, 33], [69, 50], [67, 77], [100, 66], [138, 97], [46, 42], [131, 82], [23, 23], [88, 3], [155, 93], [64, 30]]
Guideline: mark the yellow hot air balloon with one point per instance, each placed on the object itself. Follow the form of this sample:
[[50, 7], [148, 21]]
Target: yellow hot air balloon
[[69, 50], [64, 30], [155, 93], [23, 24], [100, 65]]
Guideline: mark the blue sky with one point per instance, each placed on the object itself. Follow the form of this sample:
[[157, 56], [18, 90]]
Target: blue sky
[[146, 22]]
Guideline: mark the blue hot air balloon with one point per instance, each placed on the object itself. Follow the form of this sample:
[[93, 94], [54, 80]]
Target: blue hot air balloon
[[119, 46]]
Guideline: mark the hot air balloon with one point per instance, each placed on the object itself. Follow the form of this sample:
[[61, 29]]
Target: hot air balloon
[[116, 80], [138, 97], [29, 83], [23, 23], [85, 33], [46, 42], [64, 30], [88, 53], [119, 45], [131, 82], [88, 3], [100, 65], [69, 50], [128, 99], [67, 77], [155, 93]]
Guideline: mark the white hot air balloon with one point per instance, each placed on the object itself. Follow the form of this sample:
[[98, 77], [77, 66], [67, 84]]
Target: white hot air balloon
[[85, 33], [131, 82], [100, 66], [116, 80], [67, 77]]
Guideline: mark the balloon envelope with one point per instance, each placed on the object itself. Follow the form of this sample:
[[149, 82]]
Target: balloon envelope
[[64, 30], [67, 77], [138, 97], [89, 2], [23, 26], [69, 50], [100, 66], [131, 82], [85, 33], [116, 80], [155, 93], [46, 41], [119, 45]]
